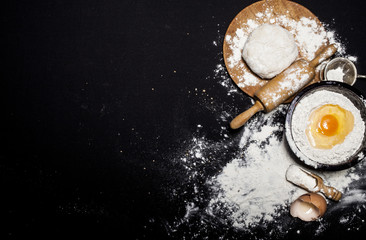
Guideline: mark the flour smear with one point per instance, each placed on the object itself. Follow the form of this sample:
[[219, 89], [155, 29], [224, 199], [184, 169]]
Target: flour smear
[[237, 187]]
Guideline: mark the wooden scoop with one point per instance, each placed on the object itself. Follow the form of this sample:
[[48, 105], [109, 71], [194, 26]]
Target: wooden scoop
[[283, 86], [328, 191]]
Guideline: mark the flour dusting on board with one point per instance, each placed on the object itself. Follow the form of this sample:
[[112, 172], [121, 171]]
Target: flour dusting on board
[[308, 35], [238, 184]]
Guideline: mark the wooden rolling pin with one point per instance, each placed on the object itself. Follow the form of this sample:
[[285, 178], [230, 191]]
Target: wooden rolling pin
[[283, 86], [311, 182]]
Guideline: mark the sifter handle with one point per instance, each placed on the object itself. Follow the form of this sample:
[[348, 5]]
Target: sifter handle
[[361, 76]]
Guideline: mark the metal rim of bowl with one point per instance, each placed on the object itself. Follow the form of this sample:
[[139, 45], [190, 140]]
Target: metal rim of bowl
[[341, 59], [357, 157]]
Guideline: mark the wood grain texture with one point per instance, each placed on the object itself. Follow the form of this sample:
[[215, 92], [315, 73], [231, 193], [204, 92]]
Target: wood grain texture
[[286, 8]]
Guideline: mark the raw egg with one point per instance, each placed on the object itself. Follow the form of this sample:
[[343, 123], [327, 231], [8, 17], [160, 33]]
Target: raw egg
[[308, 207], [328, 126]]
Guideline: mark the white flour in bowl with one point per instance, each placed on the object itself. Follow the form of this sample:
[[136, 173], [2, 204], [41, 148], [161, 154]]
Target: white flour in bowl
[[335, 74], [340, 152]]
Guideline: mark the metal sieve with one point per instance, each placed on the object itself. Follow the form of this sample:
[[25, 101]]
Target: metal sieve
[[348, 68]]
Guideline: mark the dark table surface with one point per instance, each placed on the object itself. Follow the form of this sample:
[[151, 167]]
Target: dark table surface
[[100, 99]]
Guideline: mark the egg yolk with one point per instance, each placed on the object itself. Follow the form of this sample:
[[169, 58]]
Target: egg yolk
[[328, 126]]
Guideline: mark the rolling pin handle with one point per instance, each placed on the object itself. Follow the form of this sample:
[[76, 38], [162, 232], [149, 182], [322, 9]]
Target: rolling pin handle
[[242, 118], [326, 53]]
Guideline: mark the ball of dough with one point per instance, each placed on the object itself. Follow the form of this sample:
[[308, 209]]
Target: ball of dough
[[269, 50]]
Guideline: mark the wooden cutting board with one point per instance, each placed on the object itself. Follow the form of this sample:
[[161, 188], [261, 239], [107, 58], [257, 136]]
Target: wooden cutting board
[[268, 11]]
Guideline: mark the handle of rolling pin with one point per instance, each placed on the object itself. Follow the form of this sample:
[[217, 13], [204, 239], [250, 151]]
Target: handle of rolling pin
[[242, 118], [327, 52]]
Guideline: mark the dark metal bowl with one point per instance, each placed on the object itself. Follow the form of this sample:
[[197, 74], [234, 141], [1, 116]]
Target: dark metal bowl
[[354, 96]]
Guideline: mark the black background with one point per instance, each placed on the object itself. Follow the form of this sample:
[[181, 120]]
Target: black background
[[99, 95]]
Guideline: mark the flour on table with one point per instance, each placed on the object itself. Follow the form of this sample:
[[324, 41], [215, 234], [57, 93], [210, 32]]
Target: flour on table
[[253, 188], [250, 193]]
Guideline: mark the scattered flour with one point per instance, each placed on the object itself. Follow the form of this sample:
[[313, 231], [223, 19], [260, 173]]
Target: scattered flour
[[250, 191], [253, 188]]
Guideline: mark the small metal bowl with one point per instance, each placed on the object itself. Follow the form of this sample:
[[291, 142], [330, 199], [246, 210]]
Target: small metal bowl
[[348, 68], [346, 90]]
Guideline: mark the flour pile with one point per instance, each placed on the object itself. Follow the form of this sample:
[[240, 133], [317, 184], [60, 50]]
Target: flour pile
[[253, 187], [251, 191]]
